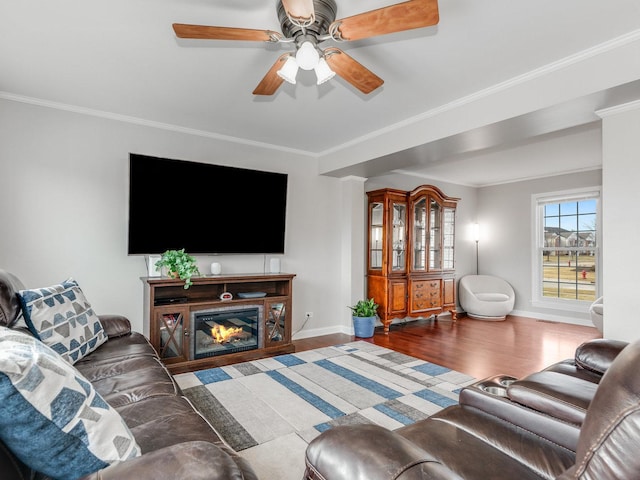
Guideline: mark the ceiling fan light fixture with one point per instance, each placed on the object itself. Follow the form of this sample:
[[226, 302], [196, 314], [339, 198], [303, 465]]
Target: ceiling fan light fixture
[[289, 70], [307, 56], [323, 71]]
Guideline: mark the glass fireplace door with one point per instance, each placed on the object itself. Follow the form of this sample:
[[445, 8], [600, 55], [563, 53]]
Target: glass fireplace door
[[223, 330]]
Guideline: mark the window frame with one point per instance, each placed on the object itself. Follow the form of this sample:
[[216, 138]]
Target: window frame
[[538, 201]]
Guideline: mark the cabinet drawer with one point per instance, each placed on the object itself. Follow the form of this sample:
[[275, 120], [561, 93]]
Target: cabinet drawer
[[425, 295]]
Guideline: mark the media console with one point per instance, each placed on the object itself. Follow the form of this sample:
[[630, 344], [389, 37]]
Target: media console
[[199, 328]]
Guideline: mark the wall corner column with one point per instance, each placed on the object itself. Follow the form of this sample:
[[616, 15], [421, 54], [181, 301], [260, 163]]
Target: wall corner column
[[353, 218], [620, 227]]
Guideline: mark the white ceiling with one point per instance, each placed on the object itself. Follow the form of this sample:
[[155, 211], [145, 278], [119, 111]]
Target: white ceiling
[[121, 58]]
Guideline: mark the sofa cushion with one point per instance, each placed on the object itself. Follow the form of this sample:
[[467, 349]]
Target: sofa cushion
[[145, 417], [561, 396], [119, 348], [492, 297], [477, 445], [52, 419], [62, 318], [130, 380], [569, 367]]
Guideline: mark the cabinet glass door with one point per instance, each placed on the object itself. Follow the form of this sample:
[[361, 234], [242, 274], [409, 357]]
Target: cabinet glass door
[[448, 238], [275, 332], [419, 234], [399, 245], [435, 236], [376, 216], [171, 330]]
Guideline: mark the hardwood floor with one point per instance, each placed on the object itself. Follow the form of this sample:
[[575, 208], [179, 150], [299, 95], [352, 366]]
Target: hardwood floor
[[518, 346]]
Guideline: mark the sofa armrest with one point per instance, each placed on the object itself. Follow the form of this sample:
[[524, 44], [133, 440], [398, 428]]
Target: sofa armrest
[[597, 355], [115, 325], [185, 461], [369, 452]]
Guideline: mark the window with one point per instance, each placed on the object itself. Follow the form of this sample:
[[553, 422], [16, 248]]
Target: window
[[566, 254]]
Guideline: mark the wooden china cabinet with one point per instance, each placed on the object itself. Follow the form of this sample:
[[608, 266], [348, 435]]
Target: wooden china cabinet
[[411, 246]]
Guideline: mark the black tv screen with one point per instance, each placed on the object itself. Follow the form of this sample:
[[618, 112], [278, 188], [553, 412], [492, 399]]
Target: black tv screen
[[204, 208]]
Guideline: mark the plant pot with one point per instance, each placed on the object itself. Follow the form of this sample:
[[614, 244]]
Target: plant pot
[[364, 327]]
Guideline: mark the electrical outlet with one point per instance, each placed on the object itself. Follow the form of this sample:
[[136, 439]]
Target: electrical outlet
[[308, 314]]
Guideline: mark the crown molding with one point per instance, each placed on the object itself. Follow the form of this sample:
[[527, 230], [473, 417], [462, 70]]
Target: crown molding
[[146, 123], [625, 107]]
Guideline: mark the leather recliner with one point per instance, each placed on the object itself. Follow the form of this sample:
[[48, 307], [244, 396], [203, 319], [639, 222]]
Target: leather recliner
[[596, 397]]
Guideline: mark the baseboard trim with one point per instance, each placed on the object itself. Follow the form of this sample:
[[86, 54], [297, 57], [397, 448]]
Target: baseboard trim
[[318, 332], [553, 318]]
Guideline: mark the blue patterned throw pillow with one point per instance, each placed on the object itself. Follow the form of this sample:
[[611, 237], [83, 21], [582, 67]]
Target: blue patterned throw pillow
[[62, 318], [51, 416]]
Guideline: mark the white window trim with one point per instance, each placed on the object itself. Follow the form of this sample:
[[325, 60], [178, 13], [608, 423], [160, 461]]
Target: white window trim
[[537, 300]]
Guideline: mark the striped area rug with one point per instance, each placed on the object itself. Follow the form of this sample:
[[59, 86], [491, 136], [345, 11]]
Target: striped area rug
[[308, 392]]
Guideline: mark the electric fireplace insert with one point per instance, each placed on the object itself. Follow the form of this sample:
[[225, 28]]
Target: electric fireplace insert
[[224, 330]]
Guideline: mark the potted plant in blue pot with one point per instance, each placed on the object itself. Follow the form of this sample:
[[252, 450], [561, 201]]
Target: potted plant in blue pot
[[364, 318]]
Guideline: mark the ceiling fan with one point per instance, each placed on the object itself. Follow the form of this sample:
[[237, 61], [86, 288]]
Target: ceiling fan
[[307, 23]]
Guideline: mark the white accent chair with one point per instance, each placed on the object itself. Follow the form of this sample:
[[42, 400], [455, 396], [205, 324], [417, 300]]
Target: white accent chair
[[485, 297], [597, 313]]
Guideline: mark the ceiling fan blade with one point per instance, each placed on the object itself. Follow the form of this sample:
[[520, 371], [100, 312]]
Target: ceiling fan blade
[[300, 10], [391, 19], [352, 71], [224, 33], [271, 81]]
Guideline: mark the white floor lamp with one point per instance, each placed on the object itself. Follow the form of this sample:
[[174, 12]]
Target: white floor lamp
[[476, 237]]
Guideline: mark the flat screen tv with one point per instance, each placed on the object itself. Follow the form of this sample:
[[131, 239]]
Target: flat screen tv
[[204, 208]]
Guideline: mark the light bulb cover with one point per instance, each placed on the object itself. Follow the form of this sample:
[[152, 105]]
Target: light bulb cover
[[307, 56], [289, 70], [323, 72], [476, 232]]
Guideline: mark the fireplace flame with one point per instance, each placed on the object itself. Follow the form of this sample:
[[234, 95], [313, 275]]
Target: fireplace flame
[[221, 334]]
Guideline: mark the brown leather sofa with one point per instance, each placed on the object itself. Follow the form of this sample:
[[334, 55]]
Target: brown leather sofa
[[175, 440], [578, 419]]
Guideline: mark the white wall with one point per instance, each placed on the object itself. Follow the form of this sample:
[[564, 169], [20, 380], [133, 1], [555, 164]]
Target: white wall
[[507, 237], [504, 212], [621, 173], [64, 200]]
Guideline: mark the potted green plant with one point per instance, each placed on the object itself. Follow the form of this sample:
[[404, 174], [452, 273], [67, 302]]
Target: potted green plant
[[364, 318], [179, 264]]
